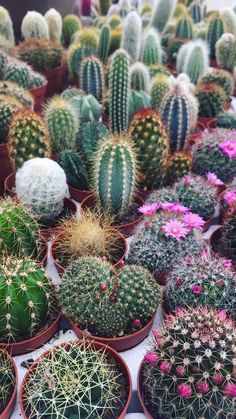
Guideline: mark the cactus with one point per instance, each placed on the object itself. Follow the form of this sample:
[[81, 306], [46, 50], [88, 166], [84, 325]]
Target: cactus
[[184, 28], [227, 242], [41, 186], [7, 380], [196, 11], [115, 175], [132, 34], [13, 90], [104, 43], [104, 6], [138, 100], [116, 35], [209, 155], [6, 26], [76, 53], [89, 137], [71, 24], [163, 14], [114, 21], [193, 111], [226, 120], [62, 123], [151, 49], [179, 164], [54, 21], [99, 385], [87, 37], [215, 30], [36, 80], [175, 114], [226, 51], [34, 25], [18, 72], [159, 88], [229, 18], [119, 85], [156, 69], [211, 99], [28, 137], [193, 60], [74, 168], [8, 105], [87, 108], [91, 78], [196, 348], [151, 143], [41, 54], [25, 289], [139, 77], [173, 47], [222, 78], [3, 63]]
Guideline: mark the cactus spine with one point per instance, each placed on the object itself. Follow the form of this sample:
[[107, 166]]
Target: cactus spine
[[34, 25], [7, 380], [104, 43], [226, 51], [71, 24], [6, 26], [160, 87], [138, 100], [162, 14], [73, 166], [151, 49], [139, 77], [184, 28], [229, 19], [179, 164], [196, 11], [214, 32], [54, 21], [91, 78], [132, 34], [193, 60]]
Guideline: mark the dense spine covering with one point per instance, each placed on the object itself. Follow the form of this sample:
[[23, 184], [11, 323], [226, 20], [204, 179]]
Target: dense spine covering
[[76, 53], [196, 11], [159, 88], [184, 28], [104, 6], [76, 174], [214, 31], [132, 35], [3, 63], [34, 25], [54, 21], [86, 107], [229, 18], [104, 43], [41, 54], [89, 137], [119, 86], [162, 14], [91, 78], [17, 72], [151, 48], [87, 37], [179, 164], [7, 380], [116, 35], [227, 243], [10, 89], [226, 51], [6, 26], [8, 106], [211, 98], [138, 100], [139, 77], [71, 24], [193, 60], [222, 78]]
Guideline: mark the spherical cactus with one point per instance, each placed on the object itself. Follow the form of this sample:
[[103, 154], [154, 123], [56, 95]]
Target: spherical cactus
[[62, 123], [226, 51], [41, 186], [193, 60], [215, 30], [25, 291], [91, 78], [115, 174], [104, 43], [119, 84], [114, 21], [76, 53], [162, 14], [173, 47], [132, 34], [196, 11], [18, 73], [159, 88], [227, 245], [54, 21], [6, 26], [34, 25], [184, 28], [211, 98], [222, 78], [179, 164], [151, 48], [89, 137], [151, 143], [87, 37], [8, 105], [156, 69], [71, 24], [41, 54], [139, 77], [138, 100], [192, 357], [27, 137], [74, 168], [11, 89]]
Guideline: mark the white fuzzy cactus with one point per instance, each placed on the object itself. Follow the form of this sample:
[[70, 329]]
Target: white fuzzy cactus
[[6, 26], [41, 185], [54, 21], [34, 25], [139, 77], [193, 59], [132, 35]]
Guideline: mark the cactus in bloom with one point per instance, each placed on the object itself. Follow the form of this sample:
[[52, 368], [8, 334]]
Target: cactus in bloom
[[54, 21], [115, 174], [211, 98], [25, 289], [28, 137], [104, 43], [6, 26], [139, 77], [197, 348], [215, 30], [41, 54], [193, 60], [131, 36], [119, 85], [8, 105], [71, 24], [159, 88], [151, 48], [74, 168], [7, 380], [89, 137], [76, 53], [163, 14], [91, 77], [226, 52], [138, 100], [62, 123], [151, 143], [34, 25], [222, 78], [196, 11], [184, 28], [178, 165]]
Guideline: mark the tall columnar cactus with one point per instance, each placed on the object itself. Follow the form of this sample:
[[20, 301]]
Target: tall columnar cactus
[[104, 43], [7, 380], [226, 51], [132, 34], [193, 60], [139, 77], [216, 28], [151, 48], [175, 114], [87, 37], [54, 21], [6, 26], [196, 10], [62, 123], [76, 53], [89, 137], [71, 24], [115, 174], [24, 289], [8, 105], [91, 77], [178, 165], [211, 98], [151, 143], [162, 14], [119, 86], [116, 35], [34, 25], [184, 28], [159, 88], [74, 168], [229, 18]]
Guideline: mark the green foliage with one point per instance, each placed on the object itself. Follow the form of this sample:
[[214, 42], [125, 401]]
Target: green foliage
[[41, 54], [104, 43], [91, 77], [211, 99], [74, 168]]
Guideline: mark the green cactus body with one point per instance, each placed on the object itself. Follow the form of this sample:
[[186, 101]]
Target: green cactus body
[[10, 89], [91, 79], [184, 28], [156, 69], [227, 243], [179, 164], [137, 101], [87, 37], [226, 120], [214, 32], [114, 21], [76, 174], [3, 63], [6, 26], [76, 53], [116, 35], [54, 21], [34, 25], [7, 380], [160, 87], [104, 6], [196, 11], [115, 175], [90, 136], [162, 14], [71, 24], [226, 52], [86, 107], [193, 60], [104, 43], [211, 99], [229, 18], [119, 85], [139, 77], [18, 73], [42, 55], [151, 49], [8, 105], [132, 35], [173, 47], [222, 78]]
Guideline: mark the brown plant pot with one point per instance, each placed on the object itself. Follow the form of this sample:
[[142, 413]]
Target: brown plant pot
[[100, 347], [127, 229], [47, 232], [195, 135], [79, 195], [205, 121], [39, 94], [7, 412], [55, 78], [119, 344], [6, 166]]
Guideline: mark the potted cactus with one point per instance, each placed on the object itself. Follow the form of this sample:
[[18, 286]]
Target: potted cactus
[[115, 307], [223, 240], [212, 99], [8, 385], [191, 358], [227, 199], [101, 382]]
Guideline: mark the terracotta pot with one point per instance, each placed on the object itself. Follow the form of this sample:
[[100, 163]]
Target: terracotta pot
[[126, 229], [61, 269], [100, 347], [120, 344], [55, 78], [140, 391], [7, 412], [9, 185], [223, 211], [6, 166], [47, 232], [205, 121], [39, 94], [79, 195]]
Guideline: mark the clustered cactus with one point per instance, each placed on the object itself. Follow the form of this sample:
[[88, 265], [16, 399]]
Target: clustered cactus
[[7, 380], [22, 74]]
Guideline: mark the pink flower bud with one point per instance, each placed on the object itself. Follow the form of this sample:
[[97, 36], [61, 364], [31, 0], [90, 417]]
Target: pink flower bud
[[148, 224], [113, 298], [179, 311], [220, 282], [203, 387], [151, 358], [184, 390], [230, 390], [188, 260], [222, 314], [137, 323], [227, 263], [178, 283], [165, 367], [158, 338], [197, 289], [122, 262], [187, 180], [217, 378], [180, 371], [103, 286]]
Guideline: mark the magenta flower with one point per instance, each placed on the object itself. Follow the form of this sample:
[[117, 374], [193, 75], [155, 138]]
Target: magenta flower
[[197, 289], [187, 180], [230, 390], [167, 206], [175, 228], [184, 390], [165, 367], [188, 260], [103, 286], [137, 323], [179, 209], [217, 378], [203, 387], [149, 209], [158, 338], [222, 315], [213, 179], [193, 220], [220, 282], [151, 358], [180, 371], [229, 148], [227, 263], [148, 224]]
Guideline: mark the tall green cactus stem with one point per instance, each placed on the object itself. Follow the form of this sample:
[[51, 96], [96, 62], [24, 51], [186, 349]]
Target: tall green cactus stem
[[116, 35], [138, 100], [226, 52], [211, 98], [104, 43], [184, 28], [222, 78], [34, 25], [24, 289], [229, 18], [163, 14], [54, 21], [132, 35], [104, 6], [76, 53], [74, 168], [193, 60], [151, 48], [151, 143], [115, 175], [6, 26], [7, 380], [62, 123], [139, 77], [8, 105], [71, 24], [215, 30], [196, 11], [159, 88], [175, 114], [119, 86], [89, 137], [179, 164], [91, 78]]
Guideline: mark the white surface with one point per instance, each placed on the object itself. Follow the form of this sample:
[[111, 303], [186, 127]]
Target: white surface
[[219, 4]]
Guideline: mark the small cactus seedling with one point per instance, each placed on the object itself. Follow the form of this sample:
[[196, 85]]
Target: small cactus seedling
[[211, 98]]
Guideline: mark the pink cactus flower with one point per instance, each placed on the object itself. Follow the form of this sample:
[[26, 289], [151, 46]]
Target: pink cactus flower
[[230, 198], [179, 209], [158, 338], [222, 314], [148, 224], [187, 180], [188, 260], [203, 387], [184, 390], [193, 220], [227, 263], [205, 253], [137, 323], [197, 289], [151, 358], [230, 390], [179, 311], [213, 179], [103, 286], [217, 378], [175, 228], [167, 206], [180, 371], [229, 148], [165, 367], [149, 209]]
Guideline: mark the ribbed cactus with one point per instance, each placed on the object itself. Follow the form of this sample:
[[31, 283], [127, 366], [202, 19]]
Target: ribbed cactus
[[178, 165], [7, 381], [62, 123], [211, 98], [222, 78], [54, 21], [116, 35], [25, 289], [18, 72], [196, 10], [76, 53], [215, 30], [229, 18], [104, 43], [115, 174], [226, 51], [71, 24], [132, 35], [34, 25], [139, 77], [119, 85], [11, 89], [184, 28], [41, 54], [151, 48], [193, 60], [91, 77], [89, 137], [8, 105], [104, 6], [162, 14], [6, 26], [87, 37], [74, 168], [175, 114], [159, 88], [138, 100], [193, 111]]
